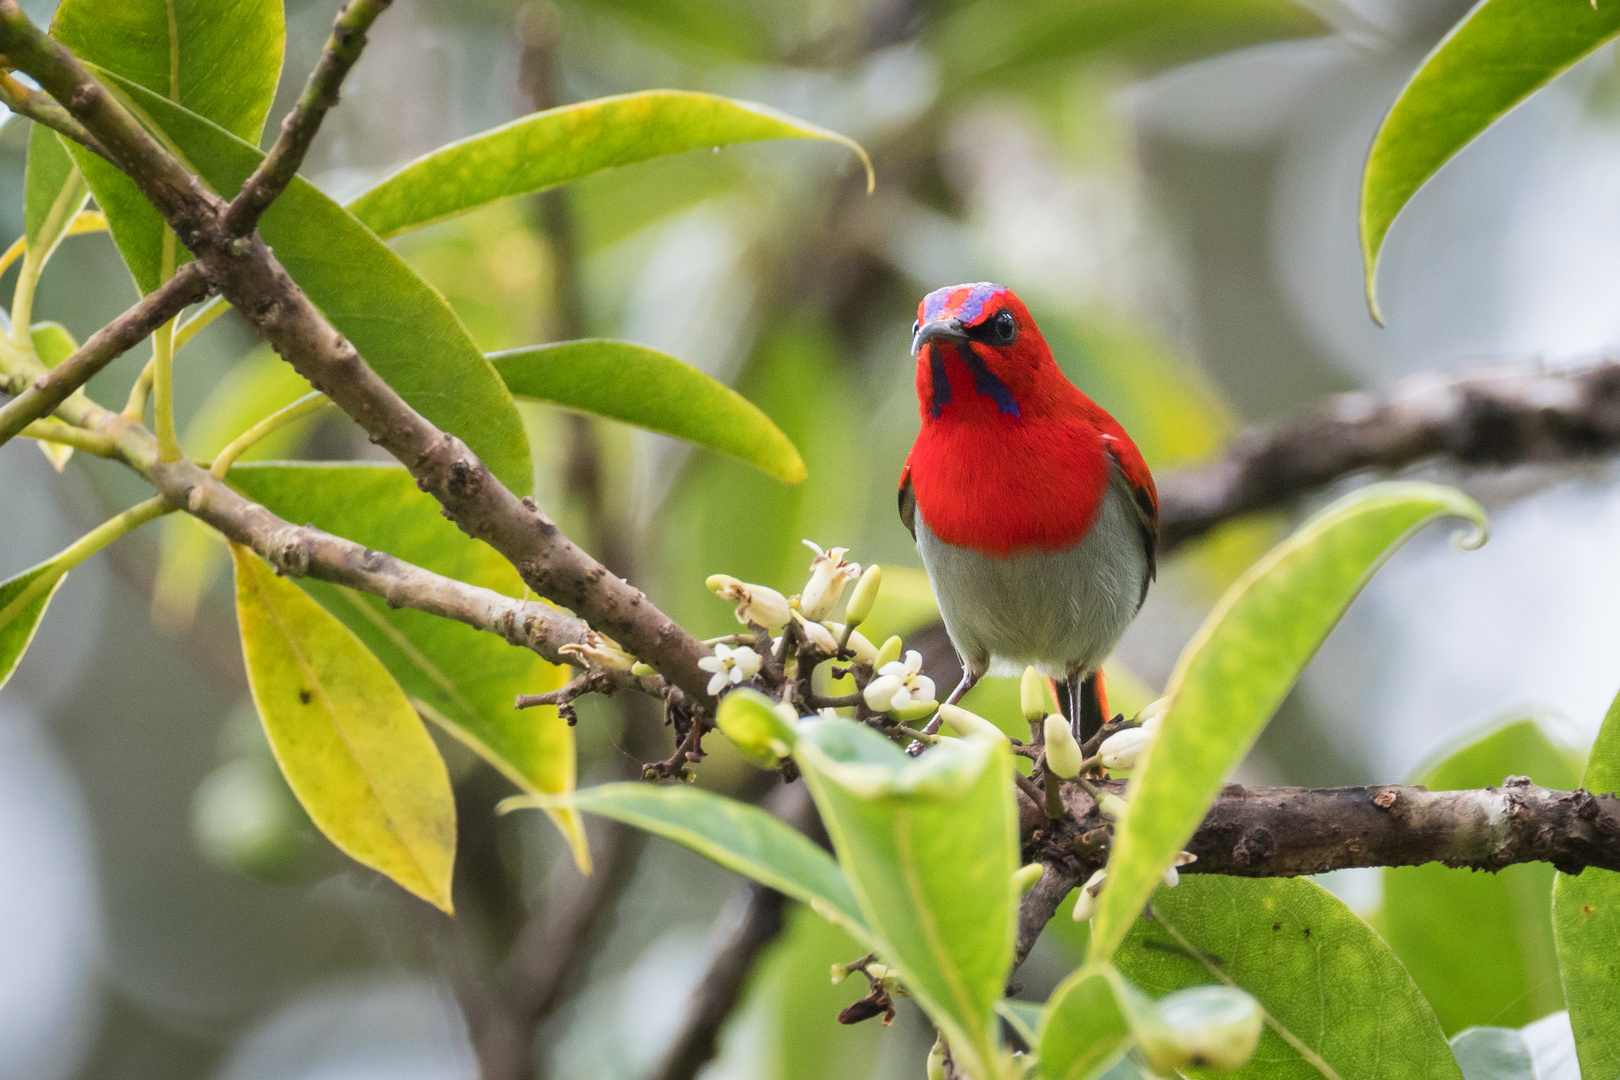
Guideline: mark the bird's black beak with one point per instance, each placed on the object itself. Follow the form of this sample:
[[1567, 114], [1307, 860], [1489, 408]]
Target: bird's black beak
[[938, 330]]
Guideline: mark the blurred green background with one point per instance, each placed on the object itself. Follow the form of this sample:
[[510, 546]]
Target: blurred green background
[[1169, 184]]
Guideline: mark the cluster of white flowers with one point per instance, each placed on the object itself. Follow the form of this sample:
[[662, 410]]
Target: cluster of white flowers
[[899, 683]]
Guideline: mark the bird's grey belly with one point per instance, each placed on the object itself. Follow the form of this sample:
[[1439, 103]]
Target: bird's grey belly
[[1063, 612]]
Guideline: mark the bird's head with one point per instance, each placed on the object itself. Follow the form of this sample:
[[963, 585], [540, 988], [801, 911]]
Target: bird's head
[[977, 347]]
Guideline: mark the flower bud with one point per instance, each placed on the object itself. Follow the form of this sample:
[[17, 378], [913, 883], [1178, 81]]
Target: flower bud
[[1063, 754], [1025, 878], [864, 596], [646, 671], [1213, 1027], [936, 1059], [877, 972], [1112, 806], [888, 652], [964, 722], [1085, 900], [840, 972], [829, 573], [755, 603], [1033, 696], [602, 650], [1123, 749], [1172, 875]]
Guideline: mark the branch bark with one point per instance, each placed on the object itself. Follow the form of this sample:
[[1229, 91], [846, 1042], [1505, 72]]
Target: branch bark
[[1493, 417], [1292, 831], [188, 286], [300, 126]]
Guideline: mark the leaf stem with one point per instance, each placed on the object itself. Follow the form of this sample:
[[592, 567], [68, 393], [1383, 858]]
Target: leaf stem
[[84, 547], [278, 419], [98, 443], [163, 392]]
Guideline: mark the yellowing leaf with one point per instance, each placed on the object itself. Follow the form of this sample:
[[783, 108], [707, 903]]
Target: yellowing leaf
[[345, 736]]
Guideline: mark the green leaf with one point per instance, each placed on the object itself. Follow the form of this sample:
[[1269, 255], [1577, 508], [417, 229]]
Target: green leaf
[[221, 61], [190, 554], [54, 193], [1495, 58], [400, 324], [463, 679], [1083, 1029], [1235, 672], [1480, 946], [1586, 927], [652, 390], [1493, 1053], [53, 344], [1333, 991], [991, 38], [738, 836], [23, 600], [929, 845], [356, 755], [564, 144]]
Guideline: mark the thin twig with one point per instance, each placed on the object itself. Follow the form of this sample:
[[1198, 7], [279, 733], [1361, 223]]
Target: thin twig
[[40, 108], [300, 126], [188, 285]]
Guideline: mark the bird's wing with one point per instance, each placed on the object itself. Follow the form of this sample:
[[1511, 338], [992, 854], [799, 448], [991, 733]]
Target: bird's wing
[[908, 501], [1144, 496]]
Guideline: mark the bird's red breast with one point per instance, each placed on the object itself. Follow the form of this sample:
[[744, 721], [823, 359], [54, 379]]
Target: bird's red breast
[[1012, 457]]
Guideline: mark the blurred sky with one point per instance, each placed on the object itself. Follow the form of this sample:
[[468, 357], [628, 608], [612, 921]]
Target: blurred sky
[[1186, 234]]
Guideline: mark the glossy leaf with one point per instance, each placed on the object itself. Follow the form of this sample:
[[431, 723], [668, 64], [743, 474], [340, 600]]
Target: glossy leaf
[[1491, 61], [1480, 946], [400, 324], [929, 845], [465, 679], [553, 147], [54, 193], [738, 836], [1235, 672], [23, 600], [1083, 1028], [652, 390], [1586, 927], [190, 554], [354, 752], [1321, 973], [220, 61]]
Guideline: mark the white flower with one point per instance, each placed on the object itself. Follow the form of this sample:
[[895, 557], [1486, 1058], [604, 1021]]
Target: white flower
[[819, 637], [899, 684], [829, 573], [1123, 749], [602, 649], [1085, 902], [755, 603], [730, 666], [1172, 873]]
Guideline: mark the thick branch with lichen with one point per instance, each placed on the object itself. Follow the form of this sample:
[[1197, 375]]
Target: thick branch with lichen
[[1291, 831], [1493, 417]]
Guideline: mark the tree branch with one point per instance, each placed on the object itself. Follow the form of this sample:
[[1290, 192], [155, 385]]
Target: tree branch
[[1292, 831], [42, 109], [1493, 417], [254, 282], [188, 286], [299, 127]]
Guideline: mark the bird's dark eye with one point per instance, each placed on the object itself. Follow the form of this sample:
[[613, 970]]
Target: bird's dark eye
[[1003, 328]]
